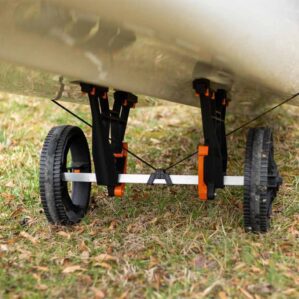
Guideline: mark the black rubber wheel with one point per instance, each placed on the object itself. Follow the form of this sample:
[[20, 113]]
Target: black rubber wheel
[[64, 203], [261, 180]]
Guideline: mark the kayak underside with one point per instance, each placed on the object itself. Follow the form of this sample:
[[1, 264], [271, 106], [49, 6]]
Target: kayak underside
[[155, 48]]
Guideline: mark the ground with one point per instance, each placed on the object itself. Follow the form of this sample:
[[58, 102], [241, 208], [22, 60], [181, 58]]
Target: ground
[[157, 242]]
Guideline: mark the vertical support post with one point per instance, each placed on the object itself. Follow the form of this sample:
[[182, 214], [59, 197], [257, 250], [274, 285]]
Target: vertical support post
[[103, 158], [123, 102], [110, 158], [203, 151], [213, 162], [221, 104], [121, 164]]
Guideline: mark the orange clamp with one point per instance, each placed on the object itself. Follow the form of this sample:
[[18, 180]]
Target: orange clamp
[[213, 97], [105, 96], [119, 190], [93, 91], [203, 151], [206, 94]]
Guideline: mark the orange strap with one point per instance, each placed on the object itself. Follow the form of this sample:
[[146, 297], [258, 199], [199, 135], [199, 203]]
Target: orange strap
[[119, 190], [203, 151]]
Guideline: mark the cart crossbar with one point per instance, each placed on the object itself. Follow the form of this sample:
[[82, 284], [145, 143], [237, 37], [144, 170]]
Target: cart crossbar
[[144, 178]]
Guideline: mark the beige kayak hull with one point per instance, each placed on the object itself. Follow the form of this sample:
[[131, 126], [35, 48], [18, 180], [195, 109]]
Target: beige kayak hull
[[155, 48]]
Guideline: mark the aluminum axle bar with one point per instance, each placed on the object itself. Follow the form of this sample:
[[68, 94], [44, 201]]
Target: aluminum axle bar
[[143, 179]]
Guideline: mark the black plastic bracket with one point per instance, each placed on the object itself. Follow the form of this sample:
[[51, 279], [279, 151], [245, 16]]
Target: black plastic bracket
[[160, 174], [108, 131], [123, 102], [221, 103], [213, 111], [103, 158]]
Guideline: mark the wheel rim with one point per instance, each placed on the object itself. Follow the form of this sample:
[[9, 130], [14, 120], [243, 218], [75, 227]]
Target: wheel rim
[[261, 180], [76, 193]]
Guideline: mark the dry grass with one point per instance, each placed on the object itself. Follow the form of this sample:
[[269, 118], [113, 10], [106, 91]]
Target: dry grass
[[156, 242]]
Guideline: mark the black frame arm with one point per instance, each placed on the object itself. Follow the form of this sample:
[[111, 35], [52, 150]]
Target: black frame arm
[[213, 111]]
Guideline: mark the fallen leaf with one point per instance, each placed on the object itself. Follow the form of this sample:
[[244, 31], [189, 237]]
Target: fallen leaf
[[16, 212], [25, 256], [42, 268], [42, 287], [84, 255], [3, 248], [37, 277], [208, 290], [255, 269], [158, 241], [124, 295], [98, 294], [72, 269], [109, 250], [153, 262], [80, 230], [8, 197], [103, 265], [64, 234], [64, 262], [113, 225], [261, 288], [134, 227], [83, 247], [289, 291], [200, 261], [155, 141], [246, 294], [26, 221], [10, 185], [11, 241], [28, 237], [222, 295], [154, 220], [86, 280], [239, 266], [105, 257], [130, 228]]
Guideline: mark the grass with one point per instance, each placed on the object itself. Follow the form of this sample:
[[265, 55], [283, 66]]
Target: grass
[[156, 242]]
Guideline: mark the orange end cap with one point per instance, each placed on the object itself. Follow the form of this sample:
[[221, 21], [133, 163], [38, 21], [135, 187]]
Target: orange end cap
[[119, 190], [203, 193], [203, 150], [202, 187], [93, 91], [76, 171]]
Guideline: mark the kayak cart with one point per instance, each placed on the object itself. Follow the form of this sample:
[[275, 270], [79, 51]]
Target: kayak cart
[[66, 167]]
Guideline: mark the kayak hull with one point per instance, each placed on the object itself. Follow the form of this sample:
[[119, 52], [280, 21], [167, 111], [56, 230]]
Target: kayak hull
[[155, 48]]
